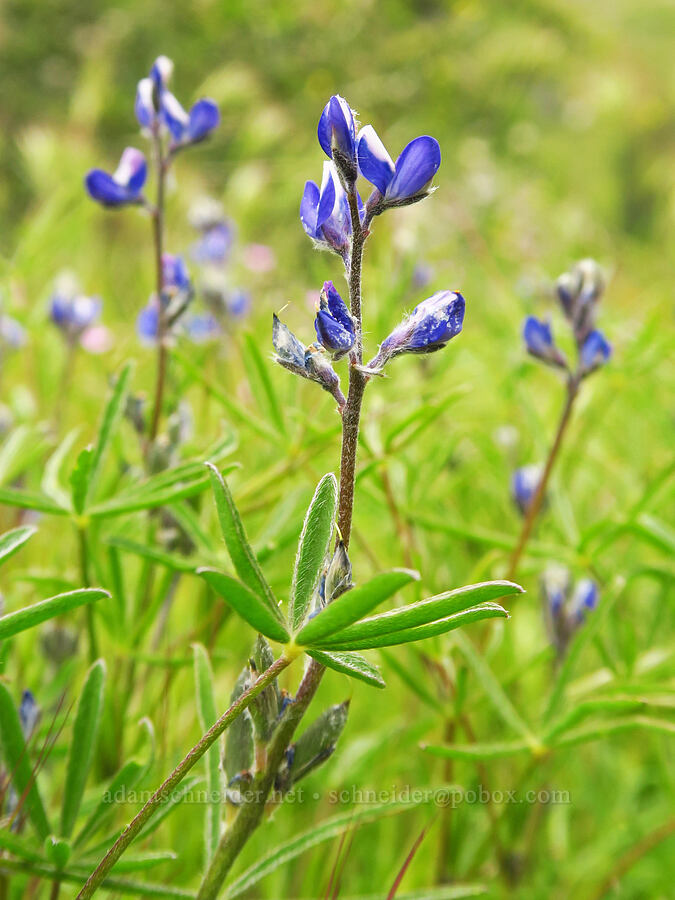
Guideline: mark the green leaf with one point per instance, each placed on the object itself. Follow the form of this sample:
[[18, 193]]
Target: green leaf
[[432, 629], [136, 862], [590, 708], [18, 845], [171, 560], [13, 540], [79, 478], [18, 765], [109, 423], [30, 616], [596, 731], [238, 546], [479, 751], [251, 607], [312, 549], [430, 610], [160, 490], [129, 774], [351, 664], [206, 710], [262, 384], [51, 484], [354, 604], [31, 500], [82, 745], [494, 691]]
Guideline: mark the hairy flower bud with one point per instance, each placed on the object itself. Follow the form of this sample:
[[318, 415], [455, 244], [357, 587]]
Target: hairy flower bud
[[429, 327], [310, 362], [594, 352], [333, 323], [538, 338], [337, 136], [338, 575], [314, 746]]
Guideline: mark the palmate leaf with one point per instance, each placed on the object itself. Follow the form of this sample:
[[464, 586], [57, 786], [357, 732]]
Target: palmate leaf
[[353, 605], [430, 610], [351, 664], [82, 745], [239, 548], [431, 629], [29, 616], [312, 549], [13, 540], [18, 764], [250, 606]]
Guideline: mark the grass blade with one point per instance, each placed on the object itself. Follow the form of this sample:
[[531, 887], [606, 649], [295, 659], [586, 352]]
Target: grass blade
[[109, 423], [314, 540], [17, 762], [82, 745]]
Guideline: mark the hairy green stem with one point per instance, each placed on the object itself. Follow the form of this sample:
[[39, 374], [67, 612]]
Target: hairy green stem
[[181, 770], [538, 499], [250, 814]]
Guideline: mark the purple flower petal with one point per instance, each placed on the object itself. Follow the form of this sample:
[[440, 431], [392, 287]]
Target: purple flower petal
[[336, 127], [415, 167], [375, 164], [174, 116], [204, 117], [309, 208]]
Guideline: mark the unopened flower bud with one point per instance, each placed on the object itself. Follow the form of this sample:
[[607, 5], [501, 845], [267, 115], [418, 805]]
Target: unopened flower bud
[[339, 574], [333, 323], [538, 339]]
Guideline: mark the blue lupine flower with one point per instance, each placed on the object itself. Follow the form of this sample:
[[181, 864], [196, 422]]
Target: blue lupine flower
[[150, 90], [202, 327], [70, 310], [175, 275], [188, 128], [238, 303], [325, 214], [524, 484], [214, 245], [29, 713], [538, 339], [555, 585], [594, 352], [147, 322], [12, 335], [124, 186], [337, 135], [405, 181], [333, 324], [428, 328], [583, 600]]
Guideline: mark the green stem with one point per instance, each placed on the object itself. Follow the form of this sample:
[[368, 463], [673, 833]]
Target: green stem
[[181, 770], [86, 582], [538, 499], [249, 815]]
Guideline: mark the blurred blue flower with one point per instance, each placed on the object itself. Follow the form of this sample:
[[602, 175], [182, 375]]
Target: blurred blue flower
[[71, 310], [12, 335], [215, 244], [238, 303], [594, 352], [155, 105], [538, 339], [583, 600], [175, 275], [147, 322], [325, 214], [337, 135], [579, 292], [333, 324], [202, 327], [429, 327], [29, 713], [405, 181], [524, 484], [124, 186]]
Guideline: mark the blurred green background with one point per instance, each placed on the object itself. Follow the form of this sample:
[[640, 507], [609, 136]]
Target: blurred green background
[[556, 125]]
